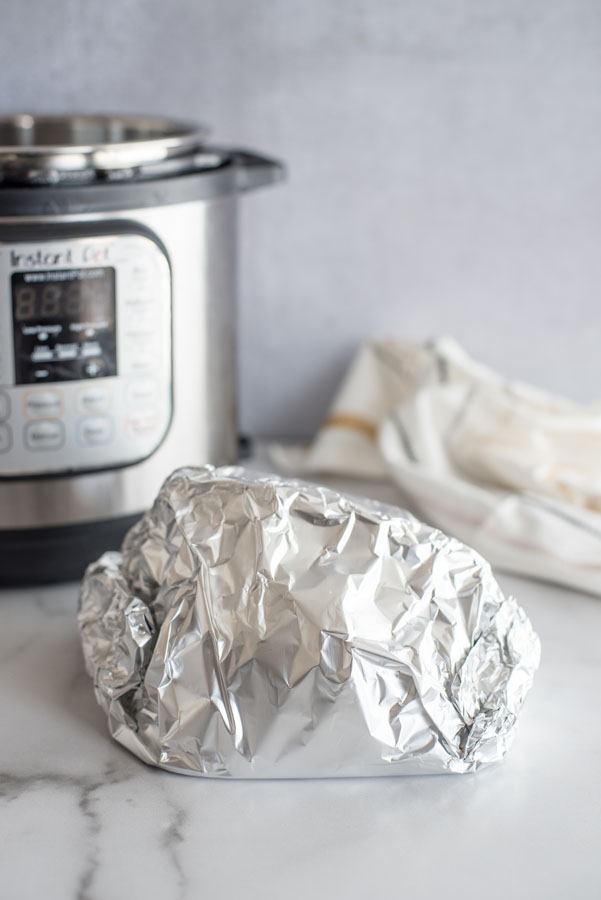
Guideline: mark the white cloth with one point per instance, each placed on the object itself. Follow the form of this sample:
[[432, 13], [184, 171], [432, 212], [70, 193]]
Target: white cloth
[[508, 469]]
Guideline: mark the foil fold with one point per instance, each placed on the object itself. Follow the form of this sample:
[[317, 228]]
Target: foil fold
[[260, 627]]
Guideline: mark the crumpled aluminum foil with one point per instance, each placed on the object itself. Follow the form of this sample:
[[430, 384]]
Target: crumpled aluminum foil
[[256, 627]]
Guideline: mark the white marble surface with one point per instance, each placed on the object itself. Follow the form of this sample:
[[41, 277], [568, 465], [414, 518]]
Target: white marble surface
[[81, 818]]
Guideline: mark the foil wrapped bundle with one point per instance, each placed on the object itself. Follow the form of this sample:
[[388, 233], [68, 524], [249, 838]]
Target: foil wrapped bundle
[[256, 627]]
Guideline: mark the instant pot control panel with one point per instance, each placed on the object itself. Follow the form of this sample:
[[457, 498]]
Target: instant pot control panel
[[85, 352]]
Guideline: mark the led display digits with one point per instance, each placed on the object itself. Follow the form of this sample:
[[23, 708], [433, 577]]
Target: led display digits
[[64, 324], [77, 299]]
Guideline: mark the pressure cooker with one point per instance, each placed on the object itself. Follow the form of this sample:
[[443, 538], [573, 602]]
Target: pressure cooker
[[117, 325]]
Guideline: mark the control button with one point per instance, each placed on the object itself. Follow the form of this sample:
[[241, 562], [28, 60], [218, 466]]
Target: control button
[[142, 392], [139, 303], [140, 335], [139, 324], [66, 351], [142, 362], [6, 438], [93, 399], [43, 404], [94, 367], [44, 435], [140, 273], [4, 406], [95, 430], [42, 354], [90, 349], [141, 424]]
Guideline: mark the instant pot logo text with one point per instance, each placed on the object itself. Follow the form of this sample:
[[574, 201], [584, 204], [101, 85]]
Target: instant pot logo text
[[40, 258], [44, 258]]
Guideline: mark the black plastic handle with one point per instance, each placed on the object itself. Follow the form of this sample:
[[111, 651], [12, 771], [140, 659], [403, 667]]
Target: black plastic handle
[[253, 171]]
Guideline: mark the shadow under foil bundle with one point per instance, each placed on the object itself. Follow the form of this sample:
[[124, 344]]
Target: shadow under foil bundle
[[256, 627]]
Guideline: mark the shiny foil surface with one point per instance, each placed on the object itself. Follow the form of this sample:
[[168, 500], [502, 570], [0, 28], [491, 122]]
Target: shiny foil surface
[[257, 627]]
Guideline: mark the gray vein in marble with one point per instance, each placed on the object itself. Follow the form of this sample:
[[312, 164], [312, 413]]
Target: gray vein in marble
[[13, 786], [54, 601], [16, 650], [173, 837], [92, 820], [86, 790]]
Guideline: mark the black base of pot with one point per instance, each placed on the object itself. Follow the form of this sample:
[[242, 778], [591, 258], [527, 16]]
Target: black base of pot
[[47, 555]]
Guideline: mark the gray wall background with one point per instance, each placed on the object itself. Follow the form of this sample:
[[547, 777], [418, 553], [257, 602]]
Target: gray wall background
[[444, 168]]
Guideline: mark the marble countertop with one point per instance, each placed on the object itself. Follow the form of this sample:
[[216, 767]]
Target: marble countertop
[[82, 818]]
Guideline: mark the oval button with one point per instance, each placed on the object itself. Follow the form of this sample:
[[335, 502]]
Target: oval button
[[44, 435], [93, 399], [141, 424], [139, 303], [5, 438], [43, 404], [94, 367], [142, 362], [4, 406], [95, 430], [142, 392]]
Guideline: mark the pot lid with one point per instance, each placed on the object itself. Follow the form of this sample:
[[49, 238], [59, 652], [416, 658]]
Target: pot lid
[[75, 149]]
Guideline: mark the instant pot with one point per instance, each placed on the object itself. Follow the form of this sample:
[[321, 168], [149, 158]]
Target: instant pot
[[117, 325]]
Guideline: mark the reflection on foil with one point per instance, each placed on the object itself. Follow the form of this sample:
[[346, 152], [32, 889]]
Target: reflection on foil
[[257, 627]]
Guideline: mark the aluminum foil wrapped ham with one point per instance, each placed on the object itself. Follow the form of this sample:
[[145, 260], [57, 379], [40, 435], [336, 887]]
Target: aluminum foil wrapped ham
[[260, 627]]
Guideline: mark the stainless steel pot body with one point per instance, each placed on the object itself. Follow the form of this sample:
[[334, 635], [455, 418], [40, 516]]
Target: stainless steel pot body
[[117, 337], [200, 242]]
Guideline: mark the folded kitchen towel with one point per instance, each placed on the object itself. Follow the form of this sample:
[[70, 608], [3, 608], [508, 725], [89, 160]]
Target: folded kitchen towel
[[510, 470]]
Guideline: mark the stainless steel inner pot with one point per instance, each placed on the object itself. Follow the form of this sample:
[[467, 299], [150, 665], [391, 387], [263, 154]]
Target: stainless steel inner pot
[[117, 325]]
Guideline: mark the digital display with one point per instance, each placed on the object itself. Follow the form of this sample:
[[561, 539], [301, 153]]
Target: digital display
[[64, 325]]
